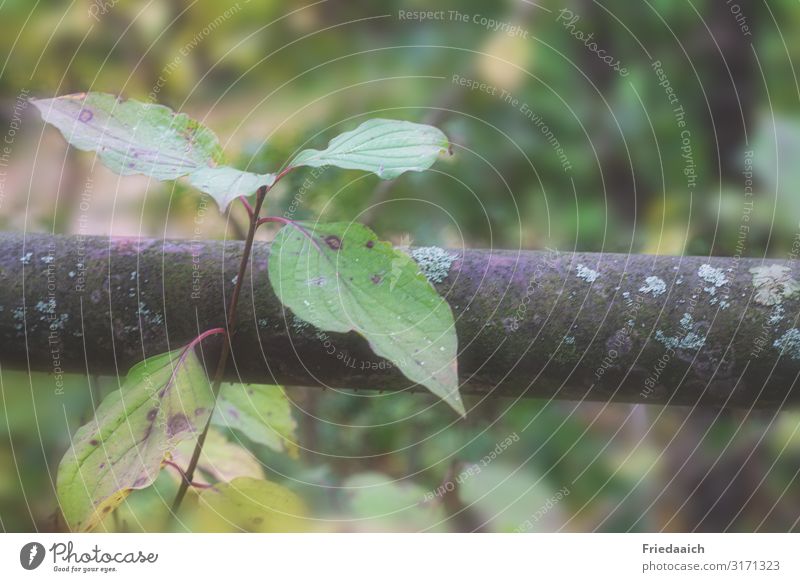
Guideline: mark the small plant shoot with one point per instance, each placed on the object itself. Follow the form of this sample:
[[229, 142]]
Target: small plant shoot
[[338, 277]]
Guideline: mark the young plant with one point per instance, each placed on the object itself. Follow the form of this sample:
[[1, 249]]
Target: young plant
[[338, 277]]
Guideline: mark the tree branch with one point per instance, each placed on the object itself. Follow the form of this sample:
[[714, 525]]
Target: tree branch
[[529, 323]]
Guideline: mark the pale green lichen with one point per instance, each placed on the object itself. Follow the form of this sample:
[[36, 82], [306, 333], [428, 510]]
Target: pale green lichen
[[689, 341], [789, 343], [434, 262], [587, 274], [148, 316], [713, 276], [654, 286], [773, 284], [19, 316], [776, 315], [58, 322]]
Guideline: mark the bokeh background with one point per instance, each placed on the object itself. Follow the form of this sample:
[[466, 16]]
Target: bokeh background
[[600, 167]]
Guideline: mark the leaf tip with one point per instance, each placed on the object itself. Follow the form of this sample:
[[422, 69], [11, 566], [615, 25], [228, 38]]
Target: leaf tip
[[456, 403]]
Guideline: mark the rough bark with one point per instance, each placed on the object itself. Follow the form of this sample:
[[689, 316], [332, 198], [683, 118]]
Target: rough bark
[[530, 324]]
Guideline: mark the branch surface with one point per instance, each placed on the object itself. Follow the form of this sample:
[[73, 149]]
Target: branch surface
[[604, 327]]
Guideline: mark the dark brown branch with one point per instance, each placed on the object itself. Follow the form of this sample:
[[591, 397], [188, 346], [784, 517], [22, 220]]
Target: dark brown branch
[[529, 323]]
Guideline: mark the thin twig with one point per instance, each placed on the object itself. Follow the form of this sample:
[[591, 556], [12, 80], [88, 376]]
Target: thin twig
[[226, 346]]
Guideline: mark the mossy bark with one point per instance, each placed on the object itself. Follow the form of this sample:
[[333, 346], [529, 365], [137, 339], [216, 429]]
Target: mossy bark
[[533, 324]]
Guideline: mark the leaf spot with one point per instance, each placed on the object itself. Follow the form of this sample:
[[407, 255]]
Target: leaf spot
[[177, 423], [333, 241]]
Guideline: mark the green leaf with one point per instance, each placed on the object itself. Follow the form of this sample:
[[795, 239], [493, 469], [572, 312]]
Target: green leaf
[[380, 503], [507, 497], [246, 504], [146, 138], [226, 184], [262, 412], [385, 147], [164, 400], [220, 459], [340, 278]]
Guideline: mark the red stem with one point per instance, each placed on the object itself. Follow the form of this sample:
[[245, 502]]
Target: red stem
[[253, 213], [293, 224], [204, 335], [187, 350], [184, 477], [246, 204], [278, 219], [282, 173], [226, 346]]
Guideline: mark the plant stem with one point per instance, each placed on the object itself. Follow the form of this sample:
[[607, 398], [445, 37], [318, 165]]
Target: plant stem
[[226, 346], [293, 223]]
